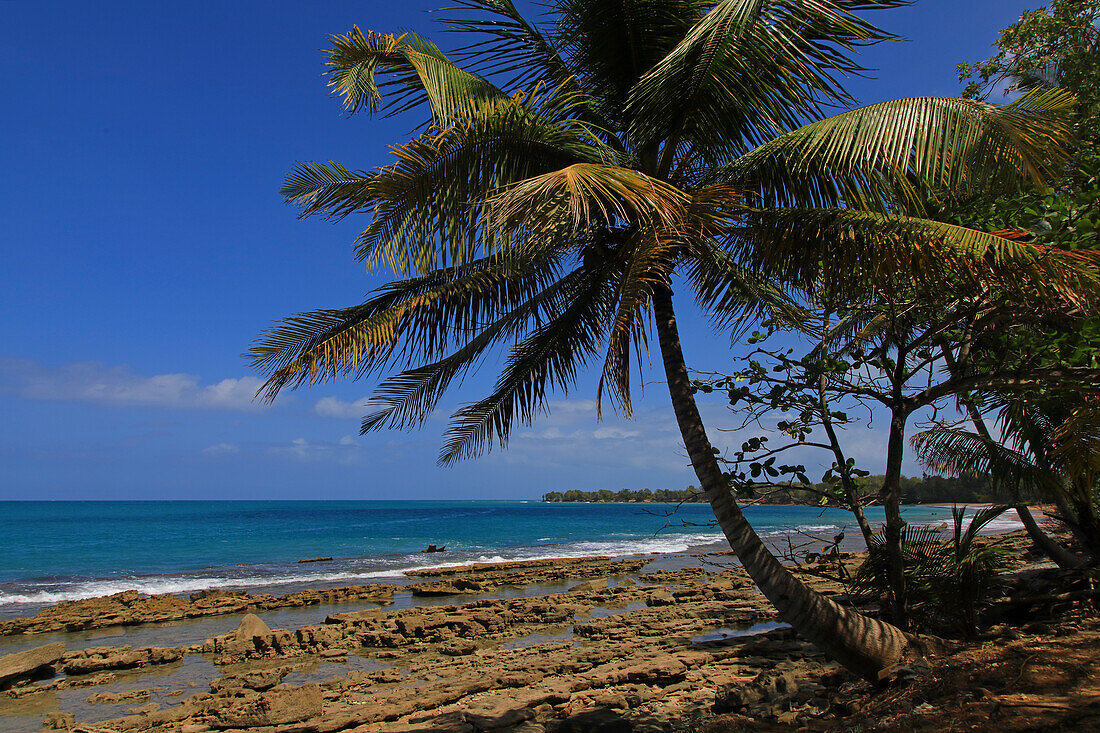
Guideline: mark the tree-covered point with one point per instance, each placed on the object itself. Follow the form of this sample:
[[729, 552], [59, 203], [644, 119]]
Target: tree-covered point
[[924, 490]]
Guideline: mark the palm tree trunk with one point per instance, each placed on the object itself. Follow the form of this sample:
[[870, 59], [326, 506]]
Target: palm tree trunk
[[864, 645], [1062, 557]]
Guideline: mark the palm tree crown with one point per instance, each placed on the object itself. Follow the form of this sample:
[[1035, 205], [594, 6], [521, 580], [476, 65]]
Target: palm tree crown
[[568, 170]]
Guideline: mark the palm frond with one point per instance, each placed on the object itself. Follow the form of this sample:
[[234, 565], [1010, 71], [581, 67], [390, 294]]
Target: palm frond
[[584, 195], [733, 295], [852, 250], [964, 540], [416, 71], [509, 45], [328, 189], [428, 205], [747, 71], [648, 264], [954, 451], [549, 358], [408, 320], [900, 151], [408, 398]]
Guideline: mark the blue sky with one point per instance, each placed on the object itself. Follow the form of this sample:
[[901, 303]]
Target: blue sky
[[145, 245]]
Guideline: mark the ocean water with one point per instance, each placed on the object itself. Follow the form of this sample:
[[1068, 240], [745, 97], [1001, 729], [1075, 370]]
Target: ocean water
[[59, 551]]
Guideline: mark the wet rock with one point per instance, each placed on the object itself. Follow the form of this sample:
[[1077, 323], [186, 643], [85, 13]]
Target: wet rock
[[275, 707], [30, 664], [659, 597], [448, 588], [59, 721], [589, 586], [258, 681], [131, 608], [251, 626], [103, 678], [24, 689], [98, 659], [458, 649], [115, 698], [447, 723]]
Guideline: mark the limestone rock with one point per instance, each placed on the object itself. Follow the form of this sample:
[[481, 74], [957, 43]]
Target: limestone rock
[[459, 648], [29, 664], [502, 715], [130, 608], [275, 707], [589, 586], [59, 721], [250, 627], [114, 698], [98, 659], [599, 720]]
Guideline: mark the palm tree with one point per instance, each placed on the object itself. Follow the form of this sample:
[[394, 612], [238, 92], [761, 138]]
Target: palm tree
[[1047, 448], [574, 172]]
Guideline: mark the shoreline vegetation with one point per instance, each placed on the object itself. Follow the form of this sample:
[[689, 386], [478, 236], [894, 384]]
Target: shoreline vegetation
[[966, 489], [674, 643]]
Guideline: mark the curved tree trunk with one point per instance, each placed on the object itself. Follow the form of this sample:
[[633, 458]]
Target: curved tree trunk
[[1062, 557], [864, 645]]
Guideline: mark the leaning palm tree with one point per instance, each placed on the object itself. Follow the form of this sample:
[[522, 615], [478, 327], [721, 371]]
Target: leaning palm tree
[[573, 172], [1047, 448]]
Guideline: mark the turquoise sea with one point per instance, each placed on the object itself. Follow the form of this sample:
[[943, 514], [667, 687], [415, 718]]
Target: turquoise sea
[[58, 551]]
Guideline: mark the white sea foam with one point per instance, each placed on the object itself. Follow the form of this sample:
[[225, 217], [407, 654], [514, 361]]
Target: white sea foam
[[79, 590], [368, 569], [152, 585]]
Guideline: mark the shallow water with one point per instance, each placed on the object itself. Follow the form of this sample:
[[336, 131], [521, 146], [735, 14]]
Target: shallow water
[[58, 551], [724, 633]]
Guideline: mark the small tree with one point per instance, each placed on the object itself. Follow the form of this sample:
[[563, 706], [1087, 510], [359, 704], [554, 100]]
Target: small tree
[[902, 348]]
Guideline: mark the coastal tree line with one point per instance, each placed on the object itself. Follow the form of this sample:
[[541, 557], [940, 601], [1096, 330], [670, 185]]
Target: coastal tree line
[[967, 488], [574, 179]]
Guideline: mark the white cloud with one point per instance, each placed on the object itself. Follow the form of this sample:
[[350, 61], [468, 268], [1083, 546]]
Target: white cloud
[[614, 433], [344, 452], [222, 449], [118, 385], [571, 435], [349, 440], [339, 409]]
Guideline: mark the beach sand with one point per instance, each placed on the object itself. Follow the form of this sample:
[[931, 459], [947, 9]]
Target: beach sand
[[598, 644]]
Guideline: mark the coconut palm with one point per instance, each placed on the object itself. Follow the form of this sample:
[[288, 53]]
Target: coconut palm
[[572, 173], [1047, 448]]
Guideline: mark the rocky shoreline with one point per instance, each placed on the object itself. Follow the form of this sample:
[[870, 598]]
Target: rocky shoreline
[[593, 644]]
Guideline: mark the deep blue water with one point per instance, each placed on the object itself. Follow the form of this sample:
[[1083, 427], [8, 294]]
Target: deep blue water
[[54, 551]]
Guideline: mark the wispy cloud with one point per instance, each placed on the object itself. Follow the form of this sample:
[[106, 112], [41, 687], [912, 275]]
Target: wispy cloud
[[345, 451], [222, 449], [571, 435], [339, 409], [119, 385]]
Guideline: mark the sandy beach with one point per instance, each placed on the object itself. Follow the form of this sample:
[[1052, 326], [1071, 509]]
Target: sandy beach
[[649, 643]]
